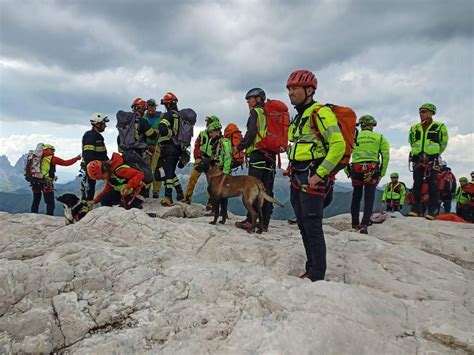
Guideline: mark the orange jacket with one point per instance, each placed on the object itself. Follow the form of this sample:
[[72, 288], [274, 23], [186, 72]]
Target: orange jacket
[[133, 176]]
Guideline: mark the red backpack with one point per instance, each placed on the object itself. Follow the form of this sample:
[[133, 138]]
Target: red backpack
[[232, 133], [346, 119], [278, 121], [446, 182]]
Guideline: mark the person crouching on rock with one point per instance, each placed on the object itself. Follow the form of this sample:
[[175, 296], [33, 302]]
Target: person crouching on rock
[[123, 183]]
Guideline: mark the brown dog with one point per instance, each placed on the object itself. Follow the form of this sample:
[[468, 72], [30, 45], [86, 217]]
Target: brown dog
[[221, 187]]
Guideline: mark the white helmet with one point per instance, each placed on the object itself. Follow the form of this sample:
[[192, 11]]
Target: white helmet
[[97, 118]]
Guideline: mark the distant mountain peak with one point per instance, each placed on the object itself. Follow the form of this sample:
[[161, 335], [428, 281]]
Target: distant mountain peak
[[4, 162], [20, 163]]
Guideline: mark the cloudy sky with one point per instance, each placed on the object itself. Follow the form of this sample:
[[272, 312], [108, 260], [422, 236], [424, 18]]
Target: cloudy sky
[[60, 61]]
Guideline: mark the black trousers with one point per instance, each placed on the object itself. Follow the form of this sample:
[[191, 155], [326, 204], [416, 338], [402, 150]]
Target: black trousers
[[48, 199], [263, 167], [393, 205], [369, 193], [170, 155], [309, 216], [113, 198], [446, 205], [87, 187], [466, 212], [418, 178]]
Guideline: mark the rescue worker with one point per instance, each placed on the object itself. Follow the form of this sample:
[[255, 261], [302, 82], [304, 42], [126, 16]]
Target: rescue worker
[[310, 163], [261, 164], [221, 151], [464, 200], [123, 183], [428, 139], [369, 162], [170, 152], [153, 118], [394, 194], [46, 185], [137, 154], [202, 149], [93, 148], [446, 186]]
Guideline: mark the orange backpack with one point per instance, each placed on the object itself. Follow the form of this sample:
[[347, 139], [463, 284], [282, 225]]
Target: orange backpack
[[346, 119], [232, 133]]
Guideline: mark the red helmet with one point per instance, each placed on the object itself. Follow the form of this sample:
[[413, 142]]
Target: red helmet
[[94, 170], [169, 98], [302, 78], [140, 103]]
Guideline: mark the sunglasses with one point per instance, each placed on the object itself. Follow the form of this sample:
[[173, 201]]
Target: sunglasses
[[424, 111]]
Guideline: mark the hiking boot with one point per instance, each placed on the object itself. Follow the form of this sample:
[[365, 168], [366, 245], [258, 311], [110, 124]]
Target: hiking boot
[[413, 214], [304, 276], [209, 206], [292, 221], [167, 202], [363, 229], [430, 217], [156, 194], [186, 199], [355, 227], [243, 225]]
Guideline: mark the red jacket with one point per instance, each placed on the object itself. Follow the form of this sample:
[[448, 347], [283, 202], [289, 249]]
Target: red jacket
[[58, 161], [133, 176], [197, 148], [52, 169]]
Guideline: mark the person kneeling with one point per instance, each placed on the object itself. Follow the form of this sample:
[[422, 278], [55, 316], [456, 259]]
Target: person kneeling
[[123, 183]]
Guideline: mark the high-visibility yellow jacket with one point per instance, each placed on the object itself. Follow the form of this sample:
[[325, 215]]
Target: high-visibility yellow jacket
[[371, 147], [431, 142], [307, 146], [396, 191]]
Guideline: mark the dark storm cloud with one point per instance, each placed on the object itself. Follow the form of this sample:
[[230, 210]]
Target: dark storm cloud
[[210, 49]]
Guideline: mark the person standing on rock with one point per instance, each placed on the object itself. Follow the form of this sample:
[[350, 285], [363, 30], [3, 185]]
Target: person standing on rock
[[93, 148], [465, 200], [261, 163], [170, 152], [394, 194], [45, 185], [222, 152], [369, 162], [202, 149], [428, 140], [134, 130], [311, 162], [153, 118], [123, 183]]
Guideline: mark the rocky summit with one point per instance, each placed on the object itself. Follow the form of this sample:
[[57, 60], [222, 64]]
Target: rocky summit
[[123, 282]]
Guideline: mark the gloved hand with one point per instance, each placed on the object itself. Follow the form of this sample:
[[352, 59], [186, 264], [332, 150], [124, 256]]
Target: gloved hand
[[124, 192]]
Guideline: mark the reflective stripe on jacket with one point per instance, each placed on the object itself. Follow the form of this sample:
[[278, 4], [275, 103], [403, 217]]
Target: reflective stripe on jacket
[[395, 191], [371, 147], [431, 142], [261, 129]]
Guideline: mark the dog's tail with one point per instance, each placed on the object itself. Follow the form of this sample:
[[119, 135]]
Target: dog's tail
[[267, 197]]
